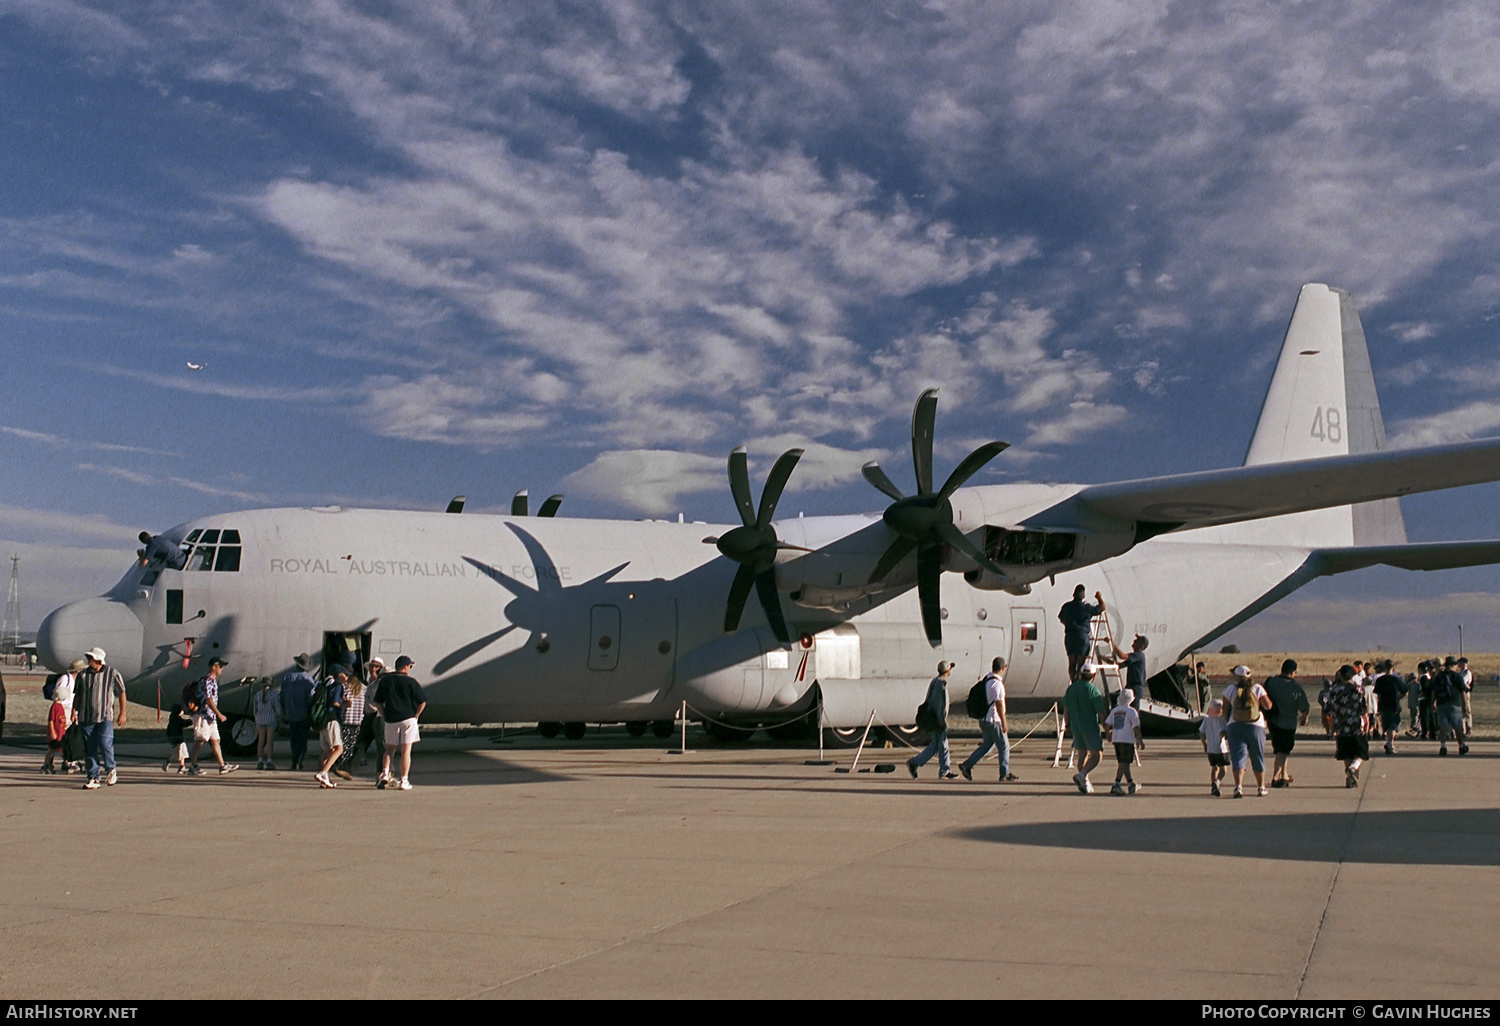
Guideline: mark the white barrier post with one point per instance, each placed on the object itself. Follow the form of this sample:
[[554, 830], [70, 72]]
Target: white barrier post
[[684, 749], [863, 738], [821, 760], [1057, 755]]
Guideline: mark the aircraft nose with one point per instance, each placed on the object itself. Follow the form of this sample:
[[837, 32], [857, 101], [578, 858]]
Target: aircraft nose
[[72, 630]]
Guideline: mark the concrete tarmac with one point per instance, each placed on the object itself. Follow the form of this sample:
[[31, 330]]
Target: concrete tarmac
[[612, 869]]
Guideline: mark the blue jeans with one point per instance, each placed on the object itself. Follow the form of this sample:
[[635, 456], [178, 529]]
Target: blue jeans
[[990, 732], [939, 747], [99, 740]]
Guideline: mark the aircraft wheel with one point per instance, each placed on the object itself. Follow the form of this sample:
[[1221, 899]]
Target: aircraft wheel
[[912, 735], [843, 737], [548, 729], [238, 735], [662, 728], [730, 735], [637, 728], [575, 731]]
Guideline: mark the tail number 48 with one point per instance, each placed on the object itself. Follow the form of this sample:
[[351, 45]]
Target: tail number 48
[[1328, 424]]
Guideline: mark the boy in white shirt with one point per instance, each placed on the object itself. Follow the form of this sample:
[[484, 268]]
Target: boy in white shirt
[[1211, 731], [1125, 731]]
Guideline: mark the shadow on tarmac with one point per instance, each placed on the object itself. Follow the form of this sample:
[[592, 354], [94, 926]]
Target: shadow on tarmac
[[1431, 837]]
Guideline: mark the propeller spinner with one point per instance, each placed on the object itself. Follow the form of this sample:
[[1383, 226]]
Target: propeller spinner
[[924, 521], [754, 544]]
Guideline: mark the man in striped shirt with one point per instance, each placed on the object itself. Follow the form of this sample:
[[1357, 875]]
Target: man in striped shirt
[[98, 707]]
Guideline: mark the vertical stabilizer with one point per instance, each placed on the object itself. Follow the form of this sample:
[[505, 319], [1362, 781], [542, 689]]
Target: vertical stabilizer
[[1322, 402]]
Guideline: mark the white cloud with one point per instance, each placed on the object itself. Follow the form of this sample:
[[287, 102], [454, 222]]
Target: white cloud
[[1479, 419], [649, 480]]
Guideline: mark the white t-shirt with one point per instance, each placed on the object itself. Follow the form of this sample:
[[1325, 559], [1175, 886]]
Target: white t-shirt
[[994, 691], [1256, 690], [1124, 725], [1212, 732]]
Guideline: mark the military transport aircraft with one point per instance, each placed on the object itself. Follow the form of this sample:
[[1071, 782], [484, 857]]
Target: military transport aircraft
[[572, 621]]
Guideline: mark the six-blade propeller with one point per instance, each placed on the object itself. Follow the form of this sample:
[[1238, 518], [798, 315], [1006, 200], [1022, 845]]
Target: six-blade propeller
[[924, 521], [754, 544]]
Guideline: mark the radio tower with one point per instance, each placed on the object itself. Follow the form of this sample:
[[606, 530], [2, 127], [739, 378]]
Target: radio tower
[[10, 633]]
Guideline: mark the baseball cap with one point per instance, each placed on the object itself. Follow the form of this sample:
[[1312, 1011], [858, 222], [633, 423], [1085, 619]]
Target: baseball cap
[[1241, 671], [217, 661], [402, 662], [1090, 667]]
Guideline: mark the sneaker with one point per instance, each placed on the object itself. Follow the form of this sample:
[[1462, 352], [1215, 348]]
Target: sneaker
[[323, 781], [90, 784], [228, 767], [344, 774], [963, 768], [1443, 750], [406, 784], [1390, 749], [1088, 786], [382, 780], [1078, 782], [181, 770], [1134, 788], [1260, 792], [261, 764], [1009, 778], [196, 771], [1213, 789], [911, 768], [112, 778], [1117, 790], [1238, 793], [166, 767], [950, 775], [1463, 749]]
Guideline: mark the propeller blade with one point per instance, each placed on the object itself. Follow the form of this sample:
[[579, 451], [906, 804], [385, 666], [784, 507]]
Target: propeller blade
[[739, 485], [972, 462], [876, 477], [929, 592], [771, 494], [922, 418], [549, 508], [456, 504], [893, 555], [739, 591], [770, 601], [795, 548], [958, 540], [519, 505]]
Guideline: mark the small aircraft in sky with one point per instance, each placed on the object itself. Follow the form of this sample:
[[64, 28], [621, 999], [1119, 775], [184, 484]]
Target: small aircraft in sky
[[568, 622], [195, 366]]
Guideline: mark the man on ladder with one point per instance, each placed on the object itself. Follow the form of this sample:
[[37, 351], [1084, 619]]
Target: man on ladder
[[1077, 618]]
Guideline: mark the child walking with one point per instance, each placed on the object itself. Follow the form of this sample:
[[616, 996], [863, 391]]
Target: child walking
[[1211, 732], [57, 726], [175, 726], [1125, 733]]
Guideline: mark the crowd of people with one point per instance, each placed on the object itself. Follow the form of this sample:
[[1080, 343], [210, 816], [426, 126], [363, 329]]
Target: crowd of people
[[351, 709]]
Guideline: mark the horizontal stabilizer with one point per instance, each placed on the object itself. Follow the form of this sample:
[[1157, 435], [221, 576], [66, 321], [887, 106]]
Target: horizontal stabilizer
[[1237, 494], [1327, 562]]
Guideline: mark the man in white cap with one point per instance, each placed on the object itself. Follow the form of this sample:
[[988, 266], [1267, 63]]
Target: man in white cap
[[99, 707], [1083, 709], [936, 706]]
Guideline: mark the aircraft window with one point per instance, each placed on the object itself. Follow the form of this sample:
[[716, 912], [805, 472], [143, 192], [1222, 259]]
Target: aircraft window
[[202, 558], [1028, 632], [230, 538], [210, 537], [192, 536], [149, 578], [605, 641], [174, 605], [228, 559]]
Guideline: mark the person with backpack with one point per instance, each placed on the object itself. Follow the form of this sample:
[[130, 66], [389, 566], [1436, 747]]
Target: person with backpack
[[325, 716], [986, 703], [295, 696], [1246, 702], [933, 716], [1349, 718], [206, 720], [1448, 706]]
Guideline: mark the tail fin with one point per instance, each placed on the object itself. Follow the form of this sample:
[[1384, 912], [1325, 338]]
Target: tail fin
[[1322, 402]]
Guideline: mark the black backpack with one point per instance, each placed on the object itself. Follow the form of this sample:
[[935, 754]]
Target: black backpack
[[317, 709], [925, 720], [190, 701], [977, 705], [1442, 687]]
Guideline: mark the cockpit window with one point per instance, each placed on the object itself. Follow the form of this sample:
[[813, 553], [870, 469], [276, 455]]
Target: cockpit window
[[213, 549]]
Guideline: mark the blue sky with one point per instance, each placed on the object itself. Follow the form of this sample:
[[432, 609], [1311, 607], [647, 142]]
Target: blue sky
[[434, 248]]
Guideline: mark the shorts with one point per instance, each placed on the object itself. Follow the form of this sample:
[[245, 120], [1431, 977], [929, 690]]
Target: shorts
[[1347, 747], [1076, 648], [182, 752], [1450, 717], [205, 727], [402, 732], [1390, 720], [259, 725], [1283, 739], [1218, 759], [329, 737], [1247, 742], [1125, 753]]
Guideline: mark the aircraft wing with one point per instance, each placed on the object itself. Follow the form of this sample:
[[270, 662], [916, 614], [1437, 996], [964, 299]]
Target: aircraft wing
[[1207, 498]]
